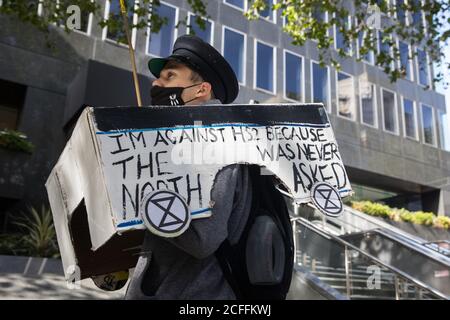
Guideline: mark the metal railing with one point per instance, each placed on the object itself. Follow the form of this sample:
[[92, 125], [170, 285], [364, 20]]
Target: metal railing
[[401, 279]]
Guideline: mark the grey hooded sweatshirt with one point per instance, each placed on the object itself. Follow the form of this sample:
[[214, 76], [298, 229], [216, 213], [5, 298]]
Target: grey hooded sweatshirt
[[185, 267]]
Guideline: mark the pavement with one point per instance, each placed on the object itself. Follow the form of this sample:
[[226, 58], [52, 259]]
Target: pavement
[[16, 286]]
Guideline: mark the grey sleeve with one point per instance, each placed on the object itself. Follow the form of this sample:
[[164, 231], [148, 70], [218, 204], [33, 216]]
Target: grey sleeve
[[231, 193]]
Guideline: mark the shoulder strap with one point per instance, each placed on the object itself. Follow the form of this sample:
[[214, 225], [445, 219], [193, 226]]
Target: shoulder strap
[[222, 255]]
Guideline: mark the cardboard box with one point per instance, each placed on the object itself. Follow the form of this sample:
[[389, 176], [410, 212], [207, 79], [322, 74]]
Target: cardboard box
[[117, 156]]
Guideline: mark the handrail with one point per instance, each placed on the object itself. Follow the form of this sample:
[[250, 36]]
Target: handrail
[[320, 287], [382, 224], [408, 240], [422, 249], [396, 271]]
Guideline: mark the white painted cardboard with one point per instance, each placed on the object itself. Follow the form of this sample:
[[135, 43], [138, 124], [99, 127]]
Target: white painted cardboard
[[113, 170]]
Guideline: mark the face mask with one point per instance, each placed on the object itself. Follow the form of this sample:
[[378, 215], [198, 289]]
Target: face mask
[[171, 96]]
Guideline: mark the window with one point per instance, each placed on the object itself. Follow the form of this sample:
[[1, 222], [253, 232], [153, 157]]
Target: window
[[428, 125], [160, 44], [194, 28], [345, 96], [265, 67], [320, 84], [409, 118], [86, 21], [117, 33], [234, 51], [443, 130], [339, 41], [405, 61], [85, 16], [239, 4], [389, 111], [384, 46], [368, 102], [369, 56], [268, 13], [417, 17], [319, 15], [12, 96], [293, 76], [422, 65], [400, 11]]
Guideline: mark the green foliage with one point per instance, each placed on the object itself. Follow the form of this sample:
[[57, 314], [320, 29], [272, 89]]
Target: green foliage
[[39, 235], [12, 244], [301, 24], [15, 140], [442, 222], [55, 12], [417, 217]]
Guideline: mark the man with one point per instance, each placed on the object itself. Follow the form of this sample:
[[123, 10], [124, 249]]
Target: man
[[185, 267]]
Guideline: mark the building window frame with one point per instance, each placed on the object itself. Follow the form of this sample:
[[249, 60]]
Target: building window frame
[[335, 30], [410, 60], [175, 31], [272, 18], [353, 118], [416, 127], [328, 105], [236, 7], [274, 67], [105, 29], [302, 76], [396, 132], [379, 49], [326, 19], [371, 53], [433, 121], [188, 29], [374, 105], [428, 74], [244, 56]]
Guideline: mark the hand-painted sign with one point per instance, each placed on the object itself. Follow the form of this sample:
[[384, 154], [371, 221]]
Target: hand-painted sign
[[295, 143]]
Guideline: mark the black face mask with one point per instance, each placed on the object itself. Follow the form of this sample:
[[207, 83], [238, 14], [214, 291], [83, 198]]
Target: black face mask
[[171, 96]]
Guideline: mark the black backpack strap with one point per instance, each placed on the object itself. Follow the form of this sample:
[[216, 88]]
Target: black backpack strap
[[222, 255], [225, 254]]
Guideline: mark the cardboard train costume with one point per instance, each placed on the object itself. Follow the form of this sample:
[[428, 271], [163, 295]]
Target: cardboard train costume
[[126, 169]]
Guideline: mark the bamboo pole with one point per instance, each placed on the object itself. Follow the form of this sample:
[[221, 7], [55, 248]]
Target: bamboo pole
[[123, 9]]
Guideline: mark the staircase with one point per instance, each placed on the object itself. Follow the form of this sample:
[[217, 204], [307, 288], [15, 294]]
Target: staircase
[[371, 265], [361, 280]]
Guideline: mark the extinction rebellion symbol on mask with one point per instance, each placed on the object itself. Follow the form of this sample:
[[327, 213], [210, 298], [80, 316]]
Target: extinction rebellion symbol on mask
[[165, 213], [327, 199], [173, 100]]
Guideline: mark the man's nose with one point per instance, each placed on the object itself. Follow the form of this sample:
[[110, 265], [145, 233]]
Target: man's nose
[[157, 82]]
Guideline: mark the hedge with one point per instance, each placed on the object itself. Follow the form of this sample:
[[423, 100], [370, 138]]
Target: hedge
[[416, 217]]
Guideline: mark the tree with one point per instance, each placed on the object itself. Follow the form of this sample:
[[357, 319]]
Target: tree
[[44, 14], [373, 25]]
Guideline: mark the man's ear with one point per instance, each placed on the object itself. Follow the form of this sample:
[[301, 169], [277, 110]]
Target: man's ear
[[204, 89]]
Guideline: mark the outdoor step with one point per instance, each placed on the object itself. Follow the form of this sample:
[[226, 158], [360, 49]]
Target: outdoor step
[[365, 291], [364, 297], [353, 275], [353, 280], [388, 276]]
